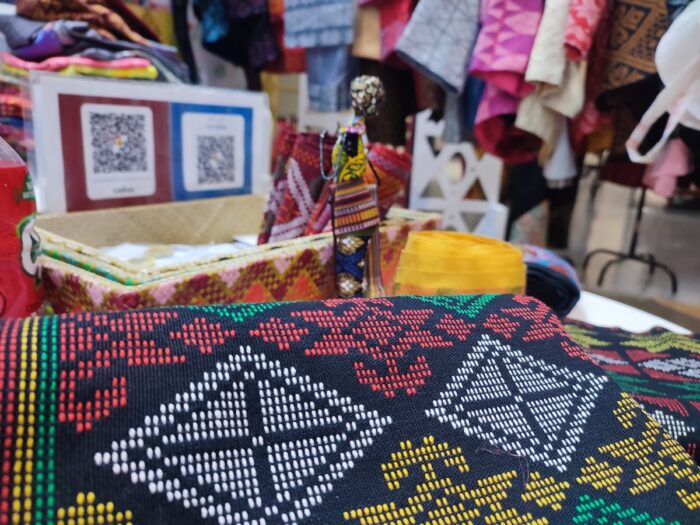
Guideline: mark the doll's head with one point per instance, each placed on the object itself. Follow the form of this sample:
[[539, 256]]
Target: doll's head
[[367, 94]]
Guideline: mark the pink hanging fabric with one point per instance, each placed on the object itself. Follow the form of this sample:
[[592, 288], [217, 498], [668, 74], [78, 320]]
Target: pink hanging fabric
[[504, 43], [581, 25], [673, 162], [495, 131]]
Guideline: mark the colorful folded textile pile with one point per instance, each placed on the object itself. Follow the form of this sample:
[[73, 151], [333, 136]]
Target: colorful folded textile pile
[[451, 263], [551, 279], [444, 410], [97, 39], [659, 369]]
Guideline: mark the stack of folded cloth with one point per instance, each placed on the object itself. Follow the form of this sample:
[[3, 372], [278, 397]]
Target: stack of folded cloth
[[551, 279], [104, 39], [451, 263]]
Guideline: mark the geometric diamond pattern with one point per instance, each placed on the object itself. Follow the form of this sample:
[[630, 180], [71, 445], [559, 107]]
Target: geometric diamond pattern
[[514, 401], [207, 450]]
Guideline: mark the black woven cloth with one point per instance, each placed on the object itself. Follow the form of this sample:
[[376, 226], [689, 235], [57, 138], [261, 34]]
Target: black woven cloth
[[434, 410]]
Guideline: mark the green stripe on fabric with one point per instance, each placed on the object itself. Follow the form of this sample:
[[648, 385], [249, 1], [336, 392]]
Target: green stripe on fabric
[[44, 486], [469, 305]]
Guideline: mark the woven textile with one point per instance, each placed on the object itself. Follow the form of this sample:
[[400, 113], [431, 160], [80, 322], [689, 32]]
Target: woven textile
[[303, 186], [318, 23], [434, 410], [659, 369]]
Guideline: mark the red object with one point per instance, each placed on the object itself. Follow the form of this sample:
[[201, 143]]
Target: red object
[[20, 293]]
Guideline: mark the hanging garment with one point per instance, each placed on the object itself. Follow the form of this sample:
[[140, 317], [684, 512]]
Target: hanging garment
[[238, 31], [495, 129], [329, 74], [581, 25], [527, 204], [681, 95], [439, 39], [111, 18], [504, 43], [327, 23], [560, 169], [367, 42], [547, 62], [559, 83], [637, 26], [291, 60], [540, 112], [673, 161], [394, 16], [590, 119]]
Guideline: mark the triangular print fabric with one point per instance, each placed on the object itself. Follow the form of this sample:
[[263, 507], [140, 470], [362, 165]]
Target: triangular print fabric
[[410, 410]]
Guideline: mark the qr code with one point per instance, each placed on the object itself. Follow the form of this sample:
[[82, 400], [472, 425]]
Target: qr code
[[118, 143], [215, 160]]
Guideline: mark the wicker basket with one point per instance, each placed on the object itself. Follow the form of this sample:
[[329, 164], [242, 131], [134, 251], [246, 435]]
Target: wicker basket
[[80, 277]]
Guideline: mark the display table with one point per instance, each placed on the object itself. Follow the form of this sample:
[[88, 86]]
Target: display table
[[600, 311]]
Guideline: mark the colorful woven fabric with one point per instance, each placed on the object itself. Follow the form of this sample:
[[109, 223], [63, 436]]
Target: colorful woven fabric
[[112, 18], [304, 184], [636, 27], [659, 369], [504, 43], [282, 149], [300, 272], [461, 410]]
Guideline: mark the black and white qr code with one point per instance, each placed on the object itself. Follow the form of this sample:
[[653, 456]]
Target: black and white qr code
[[118, 143], [215, 160]]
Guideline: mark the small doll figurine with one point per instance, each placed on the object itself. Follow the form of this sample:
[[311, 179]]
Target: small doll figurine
[[355, 207]]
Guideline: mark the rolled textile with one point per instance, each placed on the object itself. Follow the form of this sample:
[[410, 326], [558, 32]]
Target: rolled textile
[[452, 263], [551, 279]]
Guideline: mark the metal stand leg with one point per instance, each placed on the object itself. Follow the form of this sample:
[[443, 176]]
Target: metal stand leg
[[631, 255]]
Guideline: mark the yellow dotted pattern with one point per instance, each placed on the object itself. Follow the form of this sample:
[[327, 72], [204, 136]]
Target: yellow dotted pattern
[[87, 511], [492, 490], [23, 465], [440, 501], [546, 492], [627, 411], [511, 517], [601, 475], [397, 468], [689, 499]]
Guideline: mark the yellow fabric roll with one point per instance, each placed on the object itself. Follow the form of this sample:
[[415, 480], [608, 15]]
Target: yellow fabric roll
[[450, 263]]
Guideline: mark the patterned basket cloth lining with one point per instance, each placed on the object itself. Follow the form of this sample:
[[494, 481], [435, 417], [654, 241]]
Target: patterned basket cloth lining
[[659, 369], [441, 410]]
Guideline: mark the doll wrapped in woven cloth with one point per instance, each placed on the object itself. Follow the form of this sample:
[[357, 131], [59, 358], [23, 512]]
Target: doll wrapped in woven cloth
[[355, 213]]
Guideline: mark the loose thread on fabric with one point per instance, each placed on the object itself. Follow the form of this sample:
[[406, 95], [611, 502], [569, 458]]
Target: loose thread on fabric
[[523, 463]]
